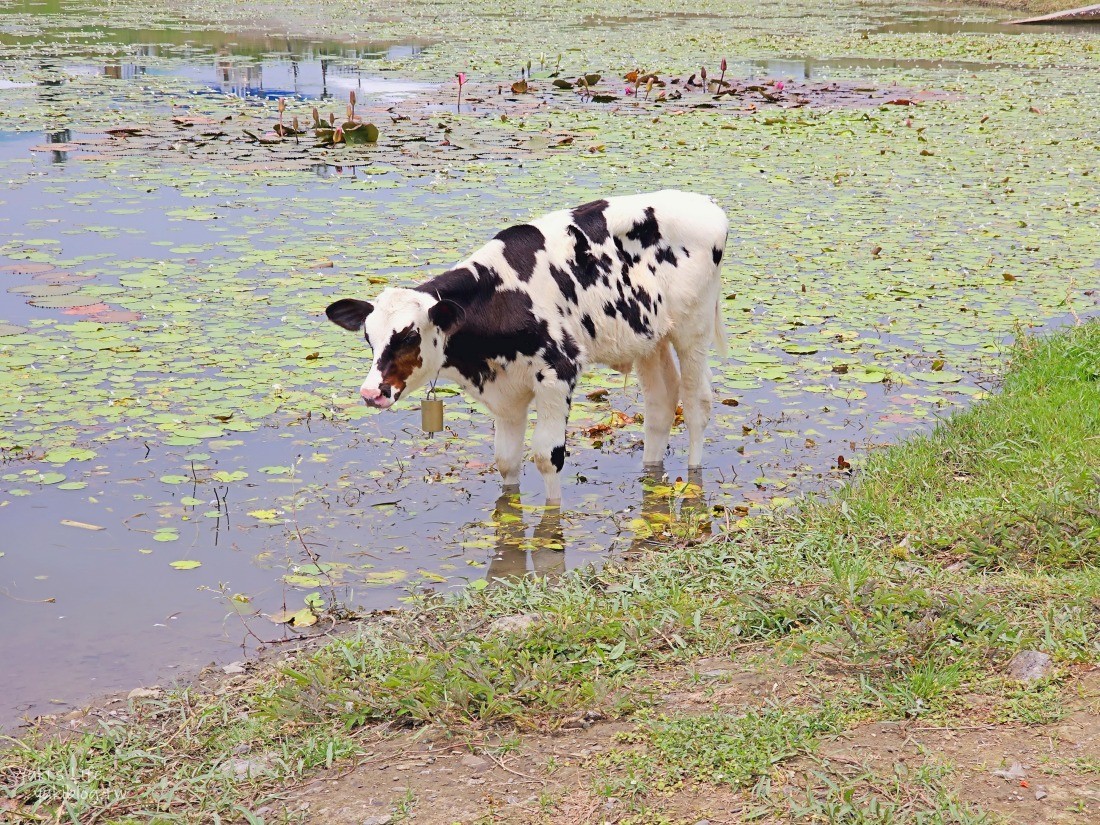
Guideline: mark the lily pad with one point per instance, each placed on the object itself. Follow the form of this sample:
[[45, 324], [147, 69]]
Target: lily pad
[[63, 455], [229, 476], [379, 577], [77, 299], [937, 377]]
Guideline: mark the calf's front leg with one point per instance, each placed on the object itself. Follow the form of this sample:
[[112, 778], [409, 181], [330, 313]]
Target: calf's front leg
[[510, 427], [552, 401]]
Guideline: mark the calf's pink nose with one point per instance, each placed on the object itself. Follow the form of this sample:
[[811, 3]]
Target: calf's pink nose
[[369, 394]]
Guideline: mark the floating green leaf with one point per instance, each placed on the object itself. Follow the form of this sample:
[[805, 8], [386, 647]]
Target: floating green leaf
[[229, 476], [63, 455], [937, 377]]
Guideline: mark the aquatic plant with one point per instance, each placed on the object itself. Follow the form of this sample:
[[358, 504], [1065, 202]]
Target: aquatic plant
[[461, 78]]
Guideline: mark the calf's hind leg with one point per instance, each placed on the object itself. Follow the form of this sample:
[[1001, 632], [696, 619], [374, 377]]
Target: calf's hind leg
[[660, 380], [695, 379]]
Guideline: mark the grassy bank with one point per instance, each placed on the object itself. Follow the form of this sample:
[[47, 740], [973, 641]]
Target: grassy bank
[[901, 599]]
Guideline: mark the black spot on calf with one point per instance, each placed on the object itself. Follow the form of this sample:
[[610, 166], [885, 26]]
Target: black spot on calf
[[631, 310], [665, 255], [590, 218], [521, 244], [646, 231], [499, 324], [589, 327], [557, 457], [587, 268], [565, 283]]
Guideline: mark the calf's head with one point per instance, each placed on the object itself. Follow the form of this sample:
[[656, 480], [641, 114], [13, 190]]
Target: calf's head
[[407, 331]]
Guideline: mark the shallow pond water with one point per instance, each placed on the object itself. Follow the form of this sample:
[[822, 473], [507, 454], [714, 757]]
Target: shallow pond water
[[184, 466]]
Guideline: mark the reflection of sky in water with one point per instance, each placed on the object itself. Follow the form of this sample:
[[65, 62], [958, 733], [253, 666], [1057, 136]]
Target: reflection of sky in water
[[285, 75], [813, 68]]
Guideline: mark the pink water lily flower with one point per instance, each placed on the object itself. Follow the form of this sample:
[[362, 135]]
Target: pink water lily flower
[[779, 85]]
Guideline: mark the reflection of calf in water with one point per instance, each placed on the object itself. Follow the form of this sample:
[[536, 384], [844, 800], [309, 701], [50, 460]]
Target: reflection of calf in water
[[672, 512], [517, 555]]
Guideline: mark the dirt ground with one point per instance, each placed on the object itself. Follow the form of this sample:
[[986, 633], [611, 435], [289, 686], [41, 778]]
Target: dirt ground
[[1049, 773]]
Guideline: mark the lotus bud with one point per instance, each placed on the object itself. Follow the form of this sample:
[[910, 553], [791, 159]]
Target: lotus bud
[[461, 78]]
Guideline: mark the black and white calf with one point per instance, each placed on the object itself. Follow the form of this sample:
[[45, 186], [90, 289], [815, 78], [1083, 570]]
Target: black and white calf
[[621, 281]]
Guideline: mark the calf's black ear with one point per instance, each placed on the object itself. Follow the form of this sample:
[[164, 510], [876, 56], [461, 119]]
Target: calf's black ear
[[349, 313], [446, 315]]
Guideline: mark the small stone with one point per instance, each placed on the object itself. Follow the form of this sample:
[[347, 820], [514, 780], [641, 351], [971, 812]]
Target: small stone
[[1029, 665], [144, 693], [1040, 793], [476, 763], [514, 624], [384, 819], [233, 668], [247, 768], [1016, 772], [717, 673]]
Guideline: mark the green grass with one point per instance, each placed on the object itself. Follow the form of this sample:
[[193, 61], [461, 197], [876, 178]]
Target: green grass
[[913, 795], [1010, 483], [719, 748], [949, 553]]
